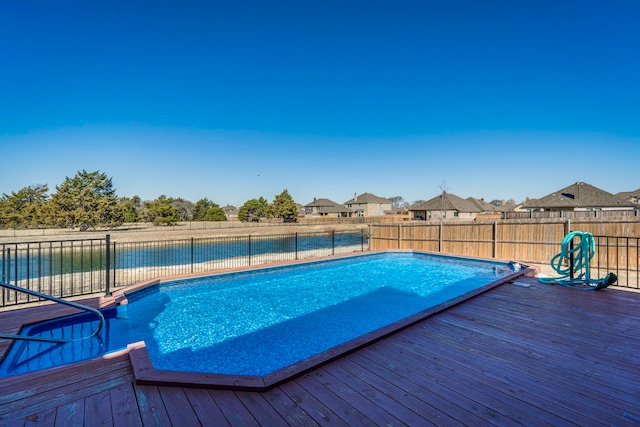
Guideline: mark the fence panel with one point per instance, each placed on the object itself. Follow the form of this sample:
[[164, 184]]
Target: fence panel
[[619, 255], [83, 267], [528, 241], [465, 238], [136, 262], [62, 268]]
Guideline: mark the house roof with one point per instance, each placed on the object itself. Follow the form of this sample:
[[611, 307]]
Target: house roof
[[482, 205], [321, 203], [367, 198], [627, 194], [326, 206], [447, 202], [489, 207], [578, 195]]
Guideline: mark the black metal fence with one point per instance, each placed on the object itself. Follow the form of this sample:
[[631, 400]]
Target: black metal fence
[[69, 268], [619, 255], [61, 268]]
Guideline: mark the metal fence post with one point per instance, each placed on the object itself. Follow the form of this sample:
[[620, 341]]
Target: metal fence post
[[114, 262], [333, 242], [107, 261], [192, 249], [249, 249], [296, 237]]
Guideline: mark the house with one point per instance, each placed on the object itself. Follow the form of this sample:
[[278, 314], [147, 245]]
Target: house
[[230, 211], [486, 207], [483, 206], [328, 208], [445, 206], [631, 196], [578, 197], [368, 204]]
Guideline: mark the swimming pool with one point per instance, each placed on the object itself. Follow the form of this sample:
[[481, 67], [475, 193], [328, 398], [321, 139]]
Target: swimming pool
[[260, 323]]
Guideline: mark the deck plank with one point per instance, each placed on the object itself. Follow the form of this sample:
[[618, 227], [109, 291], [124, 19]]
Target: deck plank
[[178, 406], [292, 413], [97, 409], [471, 376], [344, 386], [124, 406], [319, 412], [55, 397], [151, 406], [343, 409], [205, 408], [44, 418], [263, 412], [428, 415], [70, 414], [455, 401], [232, 408]]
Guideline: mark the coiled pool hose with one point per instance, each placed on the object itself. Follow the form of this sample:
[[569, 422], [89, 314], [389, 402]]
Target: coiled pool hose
[[575, 273]]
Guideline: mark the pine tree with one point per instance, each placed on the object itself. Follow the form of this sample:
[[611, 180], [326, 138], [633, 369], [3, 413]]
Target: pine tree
[[284, 207], [87, 200]]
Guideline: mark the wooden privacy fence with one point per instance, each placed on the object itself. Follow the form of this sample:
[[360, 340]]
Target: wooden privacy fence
[[617, 242]]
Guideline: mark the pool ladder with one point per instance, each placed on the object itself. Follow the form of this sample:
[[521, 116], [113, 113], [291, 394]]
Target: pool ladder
[[58, 300]]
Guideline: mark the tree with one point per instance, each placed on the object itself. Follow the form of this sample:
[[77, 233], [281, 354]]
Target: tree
[[24, 208], [86, 201], [215, 213], [201, 208], [398, 201], [131, 208], [284, 207], [184, 208], [253, 210], [206, 210], [161, 212], [497, 202]]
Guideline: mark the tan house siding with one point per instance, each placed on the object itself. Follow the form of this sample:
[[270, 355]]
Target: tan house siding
[[367, 204]]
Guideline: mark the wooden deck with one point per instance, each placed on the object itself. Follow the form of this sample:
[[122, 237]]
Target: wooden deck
[[539, 355]]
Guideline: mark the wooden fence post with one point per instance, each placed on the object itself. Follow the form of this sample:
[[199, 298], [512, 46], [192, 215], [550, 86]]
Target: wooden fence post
[[495, 239]]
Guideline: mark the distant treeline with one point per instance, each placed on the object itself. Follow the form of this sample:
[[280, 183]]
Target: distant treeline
[[88, 201]]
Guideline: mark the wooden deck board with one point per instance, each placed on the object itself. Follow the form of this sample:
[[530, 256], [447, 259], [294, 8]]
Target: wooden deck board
[[97, 409], [178, 407], [70, 414], [151, 405], [319, 412], [512, 356], [124, 406], [205, 408]]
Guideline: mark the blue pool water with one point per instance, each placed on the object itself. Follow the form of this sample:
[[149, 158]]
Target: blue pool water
[[256, 322]]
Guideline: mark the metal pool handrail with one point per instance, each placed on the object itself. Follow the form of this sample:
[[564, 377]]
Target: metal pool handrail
[[58, 300]]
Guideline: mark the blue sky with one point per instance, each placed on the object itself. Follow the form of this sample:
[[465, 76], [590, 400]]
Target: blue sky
[[241, 99]]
